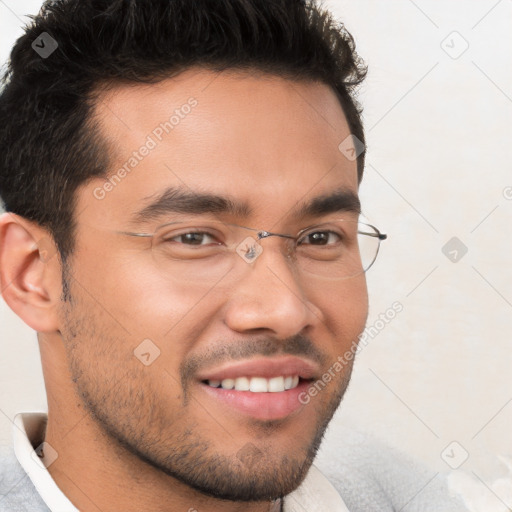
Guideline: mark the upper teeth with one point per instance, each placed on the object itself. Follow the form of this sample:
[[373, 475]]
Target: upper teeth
[[257, 384]]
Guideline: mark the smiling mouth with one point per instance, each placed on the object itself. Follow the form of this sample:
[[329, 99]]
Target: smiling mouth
[[262, 388], [267, 399], [257, 384]]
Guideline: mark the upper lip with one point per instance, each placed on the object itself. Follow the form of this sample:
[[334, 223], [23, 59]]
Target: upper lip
[[263, 367]]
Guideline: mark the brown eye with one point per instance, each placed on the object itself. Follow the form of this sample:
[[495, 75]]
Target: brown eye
[[193, 238], [320, 238]]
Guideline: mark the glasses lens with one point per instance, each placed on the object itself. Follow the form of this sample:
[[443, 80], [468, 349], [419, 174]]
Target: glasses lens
[[197, 253], [369, 243], [338, 250], [203, 252]]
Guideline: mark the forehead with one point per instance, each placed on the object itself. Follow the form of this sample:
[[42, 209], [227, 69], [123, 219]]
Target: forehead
[[260, 139]]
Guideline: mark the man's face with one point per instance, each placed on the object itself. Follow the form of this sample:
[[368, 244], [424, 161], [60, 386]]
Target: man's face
[[268, 144]]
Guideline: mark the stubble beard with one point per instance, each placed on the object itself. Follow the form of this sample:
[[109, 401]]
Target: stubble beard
[[124, 406]]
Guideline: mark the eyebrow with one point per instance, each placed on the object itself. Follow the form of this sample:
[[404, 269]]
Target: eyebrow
[[339, 201], [178, 200]]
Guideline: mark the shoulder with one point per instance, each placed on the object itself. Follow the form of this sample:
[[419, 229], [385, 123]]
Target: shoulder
[[17, 493], [372, 476]]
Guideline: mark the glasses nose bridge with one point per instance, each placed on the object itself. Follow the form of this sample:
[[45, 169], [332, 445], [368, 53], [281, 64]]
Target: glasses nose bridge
[[250, 250], [268, 234], [260, 234]]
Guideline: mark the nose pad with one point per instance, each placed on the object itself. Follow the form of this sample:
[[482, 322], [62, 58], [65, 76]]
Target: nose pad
[[251, 249]]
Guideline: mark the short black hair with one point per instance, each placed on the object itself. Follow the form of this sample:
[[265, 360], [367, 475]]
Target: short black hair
[[49, 145]]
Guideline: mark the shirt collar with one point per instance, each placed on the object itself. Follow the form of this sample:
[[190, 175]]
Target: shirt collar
[[315, 494], [27, 428]]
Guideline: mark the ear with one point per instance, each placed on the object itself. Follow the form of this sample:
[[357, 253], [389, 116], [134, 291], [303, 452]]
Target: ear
[[30, 272]]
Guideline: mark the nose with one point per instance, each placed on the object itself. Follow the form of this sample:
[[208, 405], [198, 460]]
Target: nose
[[269, 295]]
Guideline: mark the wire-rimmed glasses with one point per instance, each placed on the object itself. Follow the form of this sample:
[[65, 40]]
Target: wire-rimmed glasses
[[205, 250]]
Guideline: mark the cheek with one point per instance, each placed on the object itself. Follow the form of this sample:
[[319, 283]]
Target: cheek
[[141, 298], [345, 309], [112, 365]]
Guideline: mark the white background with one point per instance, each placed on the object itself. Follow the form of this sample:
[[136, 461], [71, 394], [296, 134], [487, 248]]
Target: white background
[[439, 166]]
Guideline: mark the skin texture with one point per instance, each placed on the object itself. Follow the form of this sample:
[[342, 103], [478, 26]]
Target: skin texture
[[134, 437]]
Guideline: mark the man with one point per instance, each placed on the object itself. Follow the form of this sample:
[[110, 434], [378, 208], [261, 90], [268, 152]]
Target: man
[[182, 231]]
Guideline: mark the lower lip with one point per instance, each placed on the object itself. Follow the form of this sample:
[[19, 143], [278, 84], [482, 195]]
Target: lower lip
[[261, 406]]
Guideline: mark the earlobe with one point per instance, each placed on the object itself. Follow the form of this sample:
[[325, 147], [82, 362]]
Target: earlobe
[[29, 272]]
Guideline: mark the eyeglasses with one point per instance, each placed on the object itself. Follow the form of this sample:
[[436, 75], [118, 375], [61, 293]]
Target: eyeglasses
[[204, 251]]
